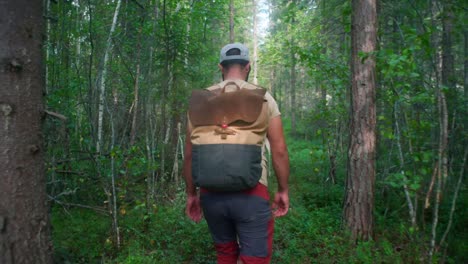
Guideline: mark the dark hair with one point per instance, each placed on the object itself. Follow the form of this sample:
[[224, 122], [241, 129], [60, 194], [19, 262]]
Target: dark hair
[[228, 63]]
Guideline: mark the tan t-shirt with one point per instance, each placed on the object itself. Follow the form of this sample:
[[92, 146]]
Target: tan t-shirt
[[273, 111]]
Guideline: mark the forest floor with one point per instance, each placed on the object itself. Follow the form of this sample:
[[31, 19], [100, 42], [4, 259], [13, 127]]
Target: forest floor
[[310, 233]]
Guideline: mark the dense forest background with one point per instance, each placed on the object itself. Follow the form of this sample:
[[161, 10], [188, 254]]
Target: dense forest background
[[118, 76]]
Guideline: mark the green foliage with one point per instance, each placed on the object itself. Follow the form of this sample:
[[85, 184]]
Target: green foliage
[[80, 235], [310, 233], [164, 236], [179, 43]]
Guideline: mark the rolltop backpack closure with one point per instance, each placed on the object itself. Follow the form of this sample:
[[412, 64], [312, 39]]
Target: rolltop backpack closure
[[228, 132]]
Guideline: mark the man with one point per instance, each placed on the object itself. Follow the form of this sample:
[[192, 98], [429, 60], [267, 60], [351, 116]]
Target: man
[[240, 222]]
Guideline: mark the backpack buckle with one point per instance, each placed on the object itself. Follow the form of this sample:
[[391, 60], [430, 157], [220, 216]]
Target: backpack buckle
[[224, 130]]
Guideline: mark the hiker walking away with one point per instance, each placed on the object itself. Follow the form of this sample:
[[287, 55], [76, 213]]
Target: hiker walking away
[[225, 167]]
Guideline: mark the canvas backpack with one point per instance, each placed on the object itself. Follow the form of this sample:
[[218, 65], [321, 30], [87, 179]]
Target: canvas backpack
[[229, 126]]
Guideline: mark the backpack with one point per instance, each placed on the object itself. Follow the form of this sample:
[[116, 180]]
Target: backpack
[[228, 132]]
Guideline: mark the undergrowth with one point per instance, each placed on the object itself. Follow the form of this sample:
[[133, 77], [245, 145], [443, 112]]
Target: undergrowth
[[310, 233]]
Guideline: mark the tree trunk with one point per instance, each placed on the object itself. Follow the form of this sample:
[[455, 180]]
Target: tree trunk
[[47, 43], [102, 86], [454, 200], [292, 107], [113, 202], [442, 165], [24, 217], [448, 64], [411, 208], [231, 21], [359, 199], [255, 40], [175, 167], [465, 68], [135, 92], [166, 90]]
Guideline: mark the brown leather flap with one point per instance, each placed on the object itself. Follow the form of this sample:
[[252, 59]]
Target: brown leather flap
[[218, 107]]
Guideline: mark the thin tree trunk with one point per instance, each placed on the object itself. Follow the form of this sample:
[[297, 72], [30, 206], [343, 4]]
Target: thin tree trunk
[[135, 92], [151, 114], [231, 21], [448, 63], [165, 121], [442, 171], [465, 69], [77, 29], [454, 200], [273, 82], [255, 42], [24, 210], [102, 83], [293, 87], [89, 71], [412, 211], [115, 223], [360, 183], [175, 168], [464, 106], [427, 201], [150, 179]]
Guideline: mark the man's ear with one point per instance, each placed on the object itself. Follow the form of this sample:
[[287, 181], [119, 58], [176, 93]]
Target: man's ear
[[247, 71], [247, 67], [222, 70]]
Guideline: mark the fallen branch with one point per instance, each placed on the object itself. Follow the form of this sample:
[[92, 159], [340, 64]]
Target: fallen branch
[[56, 115], [97, 209], [70, 172]]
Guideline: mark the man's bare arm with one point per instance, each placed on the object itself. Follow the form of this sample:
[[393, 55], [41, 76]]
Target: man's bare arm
[[187, 168], [279, 152], [192, 208], [280, 158]]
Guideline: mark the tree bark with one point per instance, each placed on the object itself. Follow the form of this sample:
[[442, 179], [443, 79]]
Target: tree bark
[[47, 41], [359, 197], [24, 219]]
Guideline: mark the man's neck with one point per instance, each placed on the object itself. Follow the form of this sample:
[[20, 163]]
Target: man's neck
[[235, 76]]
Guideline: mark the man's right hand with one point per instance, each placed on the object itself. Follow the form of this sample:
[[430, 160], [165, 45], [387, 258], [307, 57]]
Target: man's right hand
[[193, 209]]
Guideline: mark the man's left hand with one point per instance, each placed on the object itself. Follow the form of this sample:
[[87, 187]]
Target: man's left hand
[[281, 204]]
